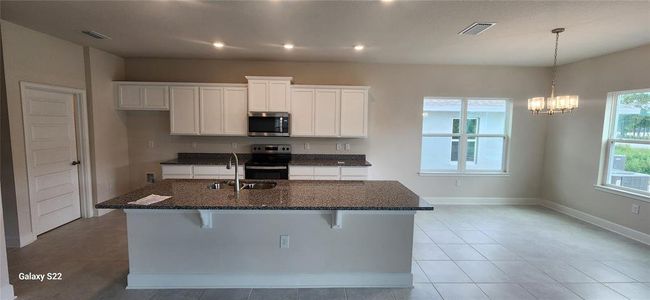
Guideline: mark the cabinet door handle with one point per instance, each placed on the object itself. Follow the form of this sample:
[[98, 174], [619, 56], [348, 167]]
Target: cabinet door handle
[[76, 162]]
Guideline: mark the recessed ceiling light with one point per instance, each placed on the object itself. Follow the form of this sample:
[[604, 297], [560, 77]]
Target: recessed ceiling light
[[386, 1], [358, 47], [288, 46], [218, 44]]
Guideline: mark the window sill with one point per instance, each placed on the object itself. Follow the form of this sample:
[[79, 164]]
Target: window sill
[[464, 174], [620, 192]]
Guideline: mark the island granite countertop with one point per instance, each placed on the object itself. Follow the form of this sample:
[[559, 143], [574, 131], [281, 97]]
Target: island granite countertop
[[345, 160], [287, 195]]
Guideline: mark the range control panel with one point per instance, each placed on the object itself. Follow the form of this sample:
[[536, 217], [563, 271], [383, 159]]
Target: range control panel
[[271, 148]]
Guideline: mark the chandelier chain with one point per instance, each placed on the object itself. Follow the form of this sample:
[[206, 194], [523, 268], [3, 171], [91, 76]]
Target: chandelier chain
[[557, 39]]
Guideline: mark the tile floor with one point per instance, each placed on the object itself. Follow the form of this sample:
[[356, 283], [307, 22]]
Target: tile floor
[[460, 252]]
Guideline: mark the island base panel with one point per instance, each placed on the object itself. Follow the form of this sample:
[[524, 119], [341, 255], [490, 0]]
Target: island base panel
[[171, 249]]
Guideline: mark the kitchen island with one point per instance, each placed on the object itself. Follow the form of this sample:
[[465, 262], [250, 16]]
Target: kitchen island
[[295, 234]]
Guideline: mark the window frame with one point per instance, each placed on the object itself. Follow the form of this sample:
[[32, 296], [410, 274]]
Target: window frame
[[607, 147], [461, 169]]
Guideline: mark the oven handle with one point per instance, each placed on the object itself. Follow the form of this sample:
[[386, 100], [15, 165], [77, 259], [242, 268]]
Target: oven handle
[[266, 168]]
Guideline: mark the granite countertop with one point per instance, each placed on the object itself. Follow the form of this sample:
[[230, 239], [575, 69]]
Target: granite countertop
[[350, 160], [206, 159], [287, 195]]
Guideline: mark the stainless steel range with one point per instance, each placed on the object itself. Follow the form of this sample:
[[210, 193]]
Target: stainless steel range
[[268, 161]]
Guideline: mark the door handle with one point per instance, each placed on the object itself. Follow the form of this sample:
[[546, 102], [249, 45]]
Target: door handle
[[76, 162]]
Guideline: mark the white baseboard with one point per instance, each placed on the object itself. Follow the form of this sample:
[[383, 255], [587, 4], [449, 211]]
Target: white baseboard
[[481, 201], [103, 211], [325, 280], [600, 222], [19, 242], [7, 292]]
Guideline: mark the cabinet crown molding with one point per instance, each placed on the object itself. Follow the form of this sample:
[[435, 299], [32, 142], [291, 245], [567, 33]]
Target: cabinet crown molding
[[320, 86], [282, 78]]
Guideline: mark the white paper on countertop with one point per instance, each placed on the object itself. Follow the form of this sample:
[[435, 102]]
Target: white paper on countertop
[[151, 199]]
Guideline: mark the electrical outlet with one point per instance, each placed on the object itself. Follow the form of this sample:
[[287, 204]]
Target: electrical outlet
[[284, 241], [151, 144], [458, 182], [151, 177], [339, 147], [347, 147], [635, 209], [307, 146], [194, 145], [234, 145]]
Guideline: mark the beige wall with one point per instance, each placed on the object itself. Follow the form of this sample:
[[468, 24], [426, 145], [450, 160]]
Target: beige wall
[[40, 58], [108, 138], [574, 141], [396, 94]]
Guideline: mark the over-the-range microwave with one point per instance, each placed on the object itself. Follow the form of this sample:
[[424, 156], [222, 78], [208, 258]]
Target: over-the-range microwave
[[268, 124]]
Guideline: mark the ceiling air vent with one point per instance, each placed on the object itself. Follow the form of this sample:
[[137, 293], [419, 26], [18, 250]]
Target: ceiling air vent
[[96, 35], [476, 28]]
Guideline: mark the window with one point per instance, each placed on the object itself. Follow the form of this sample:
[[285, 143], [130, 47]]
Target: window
[[464, 135], [471, 141], [627, 149]]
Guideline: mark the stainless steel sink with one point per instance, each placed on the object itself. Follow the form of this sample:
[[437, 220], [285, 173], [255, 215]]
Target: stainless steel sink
[[259, 185], [263, 185], [219, 185]]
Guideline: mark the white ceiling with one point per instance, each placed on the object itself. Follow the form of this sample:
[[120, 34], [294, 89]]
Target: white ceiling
[[396, 32]]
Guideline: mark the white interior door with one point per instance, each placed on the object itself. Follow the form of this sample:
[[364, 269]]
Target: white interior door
[[51, 150]]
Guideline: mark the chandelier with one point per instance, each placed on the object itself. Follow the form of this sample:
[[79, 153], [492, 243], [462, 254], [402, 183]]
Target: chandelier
[[553, 104]]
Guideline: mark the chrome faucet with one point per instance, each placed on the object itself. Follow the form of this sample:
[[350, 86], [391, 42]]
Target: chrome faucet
[[229, 166]]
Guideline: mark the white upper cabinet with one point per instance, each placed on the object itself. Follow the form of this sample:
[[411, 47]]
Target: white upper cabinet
[[279, 95], [257, 91], [184, 110], [302, 112], [326, 112], [129, 97], [269, 94], [354, 113], [235, 114], [211, 110], [329, 111], [223, 111], [142, 97]]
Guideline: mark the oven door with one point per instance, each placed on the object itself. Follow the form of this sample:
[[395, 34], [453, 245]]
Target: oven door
[[266, 172], [268, 124]]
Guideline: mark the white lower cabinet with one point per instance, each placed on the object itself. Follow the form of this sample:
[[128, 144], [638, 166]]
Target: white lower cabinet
[[200, 172], [176, 172], [354, 173], [327, 173]]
